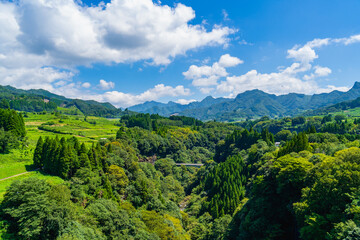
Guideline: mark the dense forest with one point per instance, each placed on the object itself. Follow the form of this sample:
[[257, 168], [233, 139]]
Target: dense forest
[[289, 178]]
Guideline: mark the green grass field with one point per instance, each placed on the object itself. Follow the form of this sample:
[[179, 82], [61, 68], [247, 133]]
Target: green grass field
[[15, 162], [70, 125], [20, 160], [354, 112], [6, 183]]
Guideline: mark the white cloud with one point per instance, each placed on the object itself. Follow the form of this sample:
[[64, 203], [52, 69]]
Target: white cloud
[[228, 61], [125, 99], [319, 72], [120, 31], [282, 82], [104, 85], [279, 83], [208, 75], [322, 71], [303, 54], [27, 78], [225, 15], [43, 42], [206, 90], [286, 80], [307, 54], [185, 101], [203, 82], [121, 99], [349, 40], [289, 79], [318, 42], [86, 85], [244, 42]]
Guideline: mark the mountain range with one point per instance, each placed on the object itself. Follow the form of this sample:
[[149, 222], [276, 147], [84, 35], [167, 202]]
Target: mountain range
[[250, 104]]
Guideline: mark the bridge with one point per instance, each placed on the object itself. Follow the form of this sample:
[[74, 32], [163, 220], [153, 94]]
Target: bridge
[[190, 164]]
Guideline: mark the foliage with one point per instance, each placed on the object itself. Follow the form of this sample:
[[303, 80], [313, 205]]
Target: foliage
[[225, 187], [298, 143], [13, 122], [240, 140]]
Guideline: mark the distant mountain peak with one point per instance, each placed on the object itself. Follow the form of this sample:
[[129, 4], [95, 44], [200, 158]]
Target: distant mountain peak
[[253, 92], [208, 97], [356, 85]]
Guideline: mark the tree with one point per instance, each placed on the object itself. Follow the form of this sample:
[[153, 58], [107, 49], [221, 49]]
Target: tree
[[327, 118], [339, 118], [7, 141], [118, 178], [4, 104], [298, 120], [225, 187], [38, 153], [283, 135], [298, 143], [36, 210]]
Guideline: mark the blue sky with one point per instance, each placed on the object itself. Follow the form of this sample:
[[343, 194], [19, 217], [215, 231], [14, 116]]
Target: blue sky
[[130, 51]]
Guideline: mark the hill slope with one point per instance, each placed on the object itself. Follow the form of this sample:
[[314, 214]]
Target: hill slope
[[338, 107], [38, 100]]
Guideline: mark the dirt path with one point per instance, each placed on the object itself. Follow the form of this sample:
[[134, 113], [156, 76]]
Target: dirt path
[[18, 175]]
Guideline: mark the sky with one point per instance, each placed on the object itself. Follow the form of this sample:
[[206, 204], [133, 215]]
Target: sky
[[127, 52]]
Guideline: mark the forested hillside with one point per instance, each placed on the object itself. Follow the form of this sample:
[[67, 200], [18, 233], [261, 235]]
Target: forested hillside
[[293, 178], [41, 100]]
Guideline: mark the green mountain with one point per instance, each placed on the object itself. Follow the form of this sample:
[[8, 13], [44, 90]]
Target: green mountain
[[164, 109], [170, 108], [38, 100], [250, 104], [342, 106]]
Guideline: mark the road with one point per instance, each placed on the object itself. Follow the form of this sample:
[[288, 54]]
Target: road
[[190, 164], [16, 175]]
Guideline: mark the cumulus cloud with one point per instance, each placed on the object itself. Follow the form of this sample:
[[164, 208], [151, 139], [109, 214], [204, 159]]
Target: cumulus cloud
[[281, 82], [104, 85], [43, 42], [303, 54], [349, 40], [299, 77], [205, 75], [318, 72], [185, 101], [121, 99], [28, 78], [306, 53], [322, 71], [120, 31], [228, 61], [86, 85], [206, 90]]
